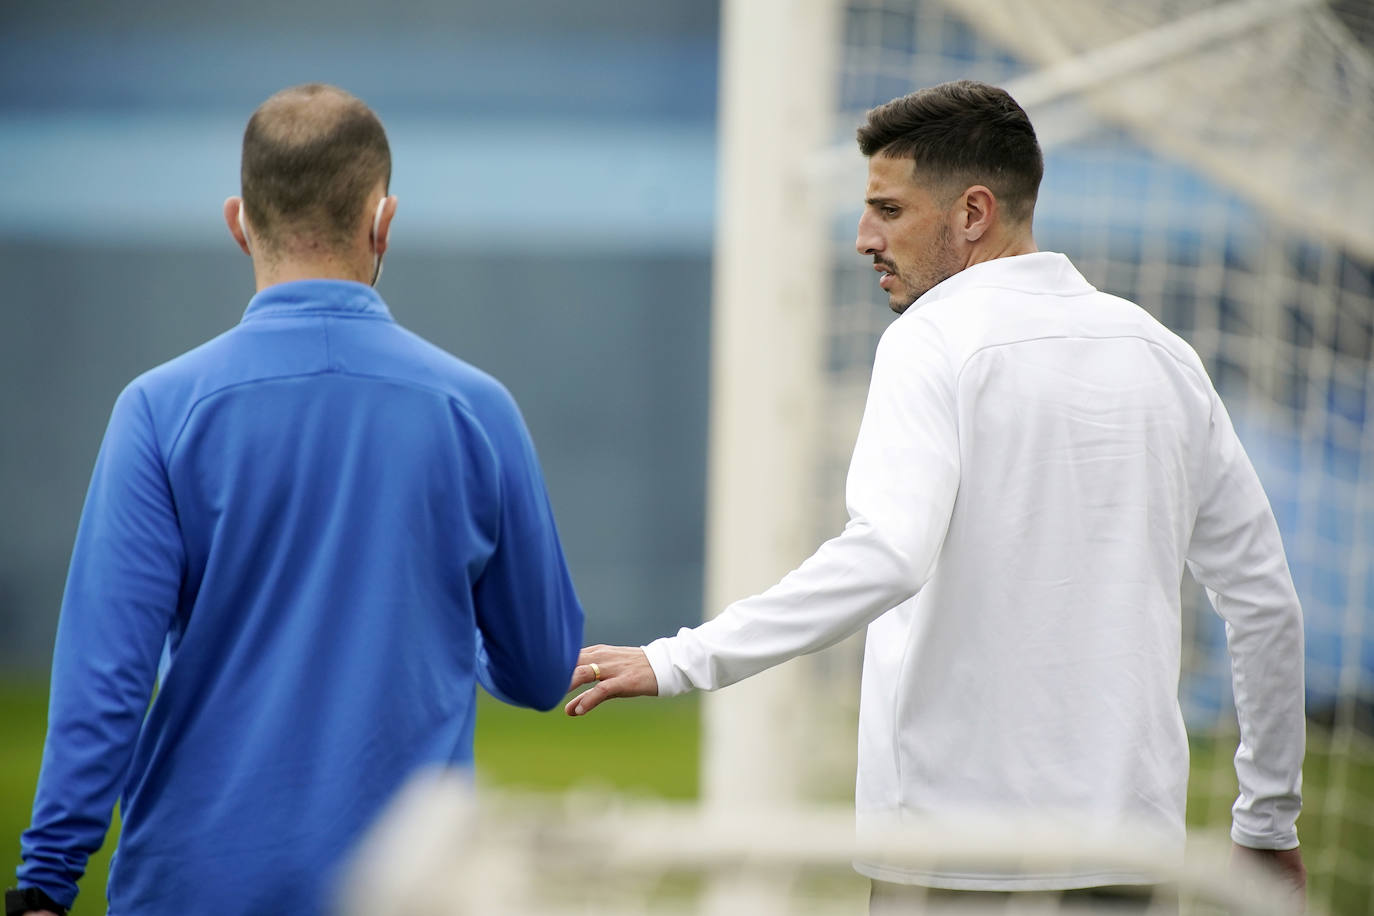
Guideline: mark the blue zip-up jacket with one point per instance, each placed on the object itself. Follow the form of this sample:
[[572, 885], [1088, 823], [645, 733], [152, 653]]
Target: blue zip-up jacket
[[327, 530]]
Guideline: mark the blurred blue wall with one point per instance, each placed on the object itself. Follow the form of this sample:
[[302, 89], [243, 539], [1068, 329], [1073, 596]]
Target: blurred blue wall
[[554, 164]]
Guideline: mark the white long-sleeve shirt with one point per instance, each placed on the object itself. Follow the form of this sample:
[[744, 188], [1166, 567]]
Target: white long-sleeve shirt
[[1037, 462]]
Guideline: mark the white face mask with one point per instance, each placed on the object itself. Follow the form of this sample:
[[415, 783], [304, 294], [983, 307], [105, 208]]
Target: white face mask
[[376, 231]]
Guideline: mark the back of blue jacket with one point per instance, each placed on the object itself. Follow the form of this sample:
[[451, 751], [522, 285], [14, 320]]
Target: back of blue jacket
[[328, 530]]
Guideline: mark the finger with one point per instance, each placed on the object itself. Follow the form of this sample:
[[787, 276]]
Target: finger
[[589, 654], [573, 707], [588, 700], [583, 674]]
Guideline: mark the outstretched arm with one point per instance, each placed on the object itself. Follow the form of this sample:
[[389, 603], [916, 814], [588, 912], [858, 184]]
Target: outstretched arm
[[900, 492]]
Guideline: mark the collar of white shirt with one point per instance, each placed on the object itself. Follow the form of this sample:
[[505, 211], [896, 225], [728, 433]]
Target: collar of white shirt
[[1044, 272]]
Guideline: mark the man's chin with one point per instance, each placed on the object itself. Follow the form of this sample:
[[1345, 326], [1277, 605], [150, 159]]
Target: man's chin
[[900, 302]]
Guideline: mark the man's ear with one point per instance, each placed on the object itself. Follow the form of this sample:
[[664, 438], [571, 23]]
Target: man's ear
[[233, 209], [979, 213], [382, 238]]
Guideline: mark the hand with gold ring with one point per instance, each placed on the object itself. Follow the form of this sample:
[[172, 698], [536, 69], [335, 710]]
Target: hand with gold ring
[[615, 671]]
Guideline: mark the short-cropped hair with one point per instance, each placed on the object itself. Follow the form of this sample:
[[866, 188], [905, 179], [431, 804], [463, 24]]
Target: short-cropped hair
[[312, 155], [960, 134]]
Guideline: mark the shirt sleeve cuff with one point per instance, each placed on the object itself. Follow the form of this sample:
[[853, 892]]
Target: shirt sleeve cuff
[[64, 896], [671, 681], [1249, 840]]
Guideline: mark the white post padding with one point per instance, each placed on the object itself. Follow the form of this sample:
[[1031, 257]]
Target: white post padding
[[767, 340]]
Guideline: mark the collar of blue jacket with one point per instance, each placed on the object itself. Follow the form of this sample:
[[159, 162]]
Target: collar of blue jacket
[[304, 296]]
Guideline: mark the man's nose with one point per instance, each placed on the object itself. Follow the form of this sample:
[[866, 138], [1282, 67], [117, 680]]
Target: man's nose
[[868, 241]]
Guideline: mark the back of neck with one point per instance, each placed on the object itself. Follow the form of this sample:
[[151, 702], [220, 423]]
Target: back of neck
[[271, 274]]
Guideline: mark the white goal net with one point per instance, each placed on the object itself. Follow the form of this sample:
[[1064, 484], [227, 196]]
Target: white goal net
[[441, 850], [1212, 160]]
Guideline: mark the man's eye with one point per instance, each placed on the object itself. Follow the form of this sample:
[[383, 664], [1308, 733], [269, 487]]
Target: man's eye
[[889, 211]]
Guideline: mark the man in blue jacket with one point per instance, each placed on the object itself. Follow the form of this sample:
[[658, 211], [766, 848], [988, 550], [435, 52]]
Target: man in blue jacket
[[315, 534]]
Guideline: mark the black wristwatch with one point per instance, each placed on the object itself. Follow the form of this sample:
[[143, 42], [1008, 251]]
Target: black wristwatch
[[19, 902]]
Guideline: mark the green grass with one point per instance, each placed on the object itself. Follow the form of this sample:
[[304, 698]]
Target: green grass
[[638, 747], [649, 748], [1336, 828]]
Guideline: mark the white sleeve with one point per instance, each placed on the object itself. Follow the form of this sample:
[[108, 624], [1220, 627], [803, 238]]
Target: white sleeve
[[1236, 553], [900, 492]]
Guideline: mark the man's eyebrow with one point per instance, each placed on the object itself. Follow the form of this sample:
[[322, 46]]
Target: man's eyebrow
[[879, 201]]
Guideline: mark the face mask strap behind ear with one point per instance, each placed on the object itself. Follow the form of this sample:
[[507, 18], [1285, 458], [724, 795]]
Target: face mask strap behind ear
[[243, 228], [376, 241]]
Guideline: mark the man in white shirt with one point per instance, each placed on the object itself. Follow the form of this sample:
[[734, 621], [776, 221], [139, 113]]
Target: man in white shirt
[[1036, 464]]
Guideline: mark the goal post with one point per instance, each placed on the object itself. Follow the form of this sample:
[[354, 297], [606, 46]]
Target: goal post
[[767, 344]]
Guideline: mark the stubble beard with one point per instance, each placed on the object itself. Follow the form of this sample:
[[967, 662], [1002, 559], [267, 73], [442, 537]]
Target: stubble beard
[[943, 264], [901, 302]]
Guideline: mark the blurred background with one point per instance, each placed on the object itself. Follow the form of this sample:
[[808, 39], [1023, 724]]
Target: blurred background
[[569, 219], [554, 164]]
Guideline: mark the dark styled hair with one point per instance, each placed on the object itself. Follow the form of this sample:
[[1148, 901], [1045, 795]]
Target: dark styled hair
[[312, 155], [962, 133]]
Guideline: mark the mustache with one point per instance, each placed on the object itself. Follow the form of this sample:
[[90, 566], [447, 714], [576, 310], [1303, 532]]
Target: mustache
[[886, 265]]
